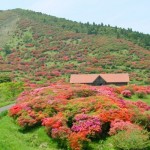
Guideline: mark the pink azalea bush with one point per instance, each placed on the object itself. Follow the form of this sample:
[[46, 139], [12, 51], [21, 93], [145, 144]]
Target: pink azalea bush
[[119, 125], [86, 123], [126, 93]]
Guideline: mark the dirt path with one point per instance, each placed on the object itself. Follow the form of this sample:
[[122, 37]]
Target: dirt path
[[6, 107]]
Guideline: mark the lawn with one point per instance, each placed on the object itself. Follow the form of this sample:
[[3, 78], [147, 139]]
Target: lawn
[[9, 92], [11, 138], [135, 98], [5, 103]]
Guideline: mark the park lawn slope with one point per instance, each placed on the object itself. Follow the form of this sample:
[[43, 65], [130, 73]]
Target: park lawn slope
[[11, 137]]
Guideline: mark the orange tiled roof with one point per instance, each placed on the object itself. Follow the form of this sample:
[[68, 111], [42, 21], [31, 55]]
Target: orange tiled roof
[[114, 78], [83, 78], [90, 78]]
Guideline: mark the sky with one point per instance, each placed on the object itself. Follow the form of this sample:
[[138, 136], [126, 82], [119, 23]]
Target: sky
[[133, 14]]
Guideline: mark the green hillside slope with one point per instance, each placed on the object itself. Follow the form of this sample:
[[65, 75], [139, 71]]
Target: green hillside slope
[[43, 48]]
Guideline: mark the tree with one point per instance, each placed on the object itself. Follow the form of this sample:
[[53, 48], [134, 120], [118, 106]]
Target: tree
[[7, 49], [27, 37], [4, 79]]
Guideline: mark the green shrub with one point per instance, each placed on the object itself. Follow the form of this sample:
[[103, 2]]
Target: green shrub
[[3, 113], [141, 93], [4, 79], [84, 93], [10, 90], [132, 140]]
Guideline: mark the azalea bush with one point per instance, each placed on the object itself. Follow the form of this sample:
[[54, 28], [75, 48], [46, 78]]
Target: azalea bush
[[119, 125], [141, 93], [89, 124], [131, 139], [126, 93], [75, 115]]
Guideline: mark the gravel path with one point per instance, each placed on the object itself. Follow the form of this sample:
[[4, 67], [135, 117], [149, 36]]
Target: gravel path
[[6, 107]]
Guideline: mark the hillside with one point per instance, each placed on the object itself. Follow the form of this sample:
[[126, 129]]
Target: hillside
[[41, 48]]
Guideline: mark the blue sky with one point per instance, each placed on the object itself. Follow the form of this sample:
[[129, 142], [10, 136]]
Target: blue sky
[[133, 14]]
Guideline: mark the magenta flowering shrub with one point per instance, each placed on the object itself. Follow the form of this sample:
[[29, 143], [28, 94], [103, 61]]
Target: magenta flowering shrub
[[86, 123], [126, 93]]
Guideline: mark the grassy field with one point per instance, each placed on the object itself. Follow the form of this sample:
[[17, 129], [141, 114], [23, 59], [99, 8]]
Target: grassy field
[[9, 92], [135, 98], [11, 138], [3, 103]]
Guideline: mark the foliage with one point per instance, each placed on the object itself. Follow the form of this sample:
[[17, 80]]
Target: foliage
[[119, 125], [12, 137], [9, 91], [132, 139], [89, 28], [4, 78], [45, 49], [3, 113], [141, 93], [7, 49], [74, 120]]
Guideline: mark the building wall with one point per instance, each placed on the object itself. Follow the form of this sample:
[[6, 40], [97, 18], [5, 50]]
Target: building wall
[[118, 84], [99, 81]]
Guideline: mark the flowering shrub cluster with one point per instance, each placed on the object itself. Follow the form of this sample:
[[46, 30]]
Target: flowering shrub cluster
[[119, 125], [140, 104], [126, 93], [141, 93], [15, 110], [74, 115], [86, 123]]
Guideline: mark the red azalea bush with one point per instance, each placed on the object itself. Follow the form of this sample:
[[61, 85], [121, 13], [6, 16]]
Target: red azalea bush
[[30, 118], [122, 114], [78, 140], [73, 115], [15, 110]]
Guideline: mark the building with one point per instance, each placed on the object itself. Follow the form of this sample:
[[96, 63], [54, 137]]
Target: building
[[100, 79]]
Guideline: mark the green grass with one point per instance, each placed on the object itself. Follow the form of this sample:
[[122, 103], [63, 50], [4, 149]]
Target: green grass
[[9, 92], [11, 138], [5, 103], [135, 98]]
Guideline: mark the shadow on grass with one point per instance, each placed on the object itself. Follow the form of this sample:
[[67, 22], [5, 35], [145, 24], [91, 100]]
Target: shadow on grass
[[30, 129], [3, 114]]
